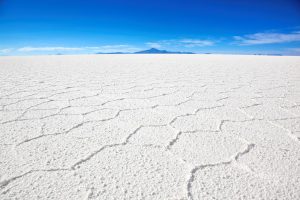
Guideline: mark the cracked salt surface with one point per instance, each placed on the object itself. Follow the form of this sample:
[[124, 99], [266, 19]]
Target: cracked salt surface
[[149, 127]]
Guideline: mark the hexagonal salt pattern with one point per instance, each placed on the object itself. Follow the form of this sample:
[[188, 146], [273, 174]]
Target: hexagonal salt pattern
[[176, 127]]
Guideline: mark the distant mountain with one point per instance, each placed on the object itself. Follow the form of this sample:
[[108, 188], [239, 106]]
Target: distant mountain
[[157, 51], [150, 51]]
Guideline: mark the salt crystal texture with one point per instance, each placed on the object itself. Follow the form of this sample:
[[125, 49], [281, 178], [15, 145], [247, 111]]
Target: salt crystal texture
[[150, 127]]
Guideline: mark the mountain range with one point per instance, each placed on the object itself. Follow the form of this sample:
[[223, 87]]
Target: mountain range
[[150, 51]]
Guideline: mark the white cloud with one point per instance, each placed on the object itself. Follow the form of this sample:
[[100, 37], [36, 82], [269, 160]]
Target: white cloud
[[267, 38], [182, 42], [197, 43], [104, 49], [28, 49], [5, 51], [114, 48], [154, 44]]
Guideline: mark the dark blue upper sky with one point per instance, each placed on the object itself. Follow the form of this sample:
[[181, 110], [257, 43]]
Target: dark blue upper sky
[[87, 26]]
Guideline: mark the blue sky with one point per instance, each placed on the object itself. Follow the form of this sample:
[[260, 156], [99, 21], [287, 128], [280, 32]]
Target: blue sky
[[87, 26]]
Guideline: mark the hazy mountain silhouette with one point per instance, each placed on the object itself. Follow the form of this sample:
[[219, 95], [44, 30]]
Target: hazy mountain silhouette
[[157, 51], [150, 51]]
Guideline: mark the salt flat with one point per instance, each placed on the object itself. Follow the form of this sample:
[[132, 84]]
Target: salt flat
[[150, 127]]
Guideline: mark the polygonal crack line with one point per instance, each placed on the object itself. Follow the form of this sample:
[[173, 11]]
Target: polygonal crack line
[[118, 113], [208, 108], [288, 132], [156, 96], [151, 97], [152, 146], [125, 142], [6, 144], [4, 183], [223, 121], [64, 92], [38, 118], [28, 140], [232, 160], [154, 106], [293, 106], [289, 111], [99, 109], [52, 134], [194, 113], [18, 101], [223, 98], [26, 96], [179, 133], [7, 95], [34, 109], [85, 97], [79, 125], [173, 141], [26, 110], [218, 130], [250, 106], [266, 97], [237, 87], [285, 118], [226, 92], [29, 108], [115, 116], [15, 120], [195, 92], [119, 99], [192, 176], [275, 87], [159, 87], [245, 113], [173, 105], [102, 120]]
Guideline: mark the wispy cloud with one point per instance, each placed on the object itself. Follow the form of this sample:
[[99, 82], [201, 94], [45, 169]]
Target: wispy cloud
[[267, 38], [29, 49], [154, 44], [4, 51], [182, 43], [196, 43], [114, 48], [104, 49]]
